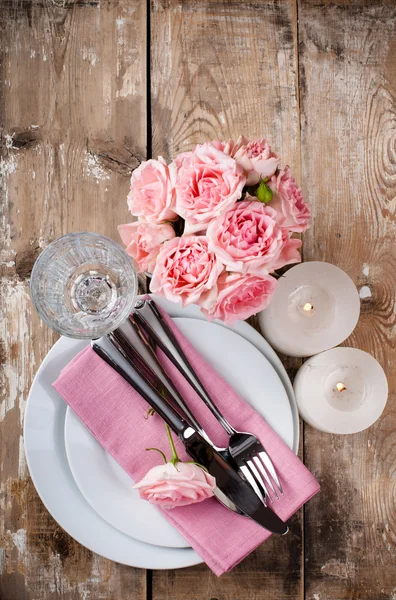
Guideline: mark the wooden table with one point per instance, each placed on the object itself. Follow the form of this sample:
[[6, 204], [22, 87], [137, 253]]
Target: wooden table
[[92, 87]]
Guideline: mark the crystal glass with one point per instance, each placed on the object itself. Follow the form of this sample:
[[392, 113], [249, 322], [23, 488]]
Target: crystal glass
[[83, 285]]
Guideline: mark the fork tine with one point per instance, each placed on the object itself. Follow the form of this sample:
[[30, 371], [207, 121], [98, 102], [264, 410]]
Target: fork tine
[[258, 478], [250, 478], [270, 467], [265, 474]]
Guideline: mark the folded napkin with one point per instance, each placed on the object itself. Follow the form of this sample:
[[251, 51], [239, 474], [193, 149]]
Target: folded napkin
[[116, 415]]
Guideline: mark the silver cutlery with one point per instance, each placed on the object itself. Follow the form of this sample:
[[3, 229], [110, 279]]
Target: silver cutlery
[[228, 481], [131, 343], [246, 450], [130, 340]]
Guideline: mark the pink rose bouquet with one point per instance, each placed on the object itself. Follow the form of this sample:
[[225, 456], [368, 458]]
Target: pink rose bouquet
[[214, 226]]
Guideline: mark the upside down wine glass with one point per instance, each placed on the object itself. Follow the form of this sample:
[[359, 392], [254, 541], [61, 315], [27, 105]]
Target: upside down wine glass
[[83, 285]]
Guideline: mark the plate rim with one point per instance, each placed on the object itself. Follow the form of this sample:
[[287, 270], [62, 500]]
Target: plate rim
[[193, 559], [246, 331], [81, 474], [69, 412]]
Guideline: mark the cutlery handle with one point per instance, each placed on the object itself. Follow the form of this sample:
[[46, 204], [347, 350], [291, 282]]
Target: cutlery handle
[[132, 376], [135, 345], [147, 314]]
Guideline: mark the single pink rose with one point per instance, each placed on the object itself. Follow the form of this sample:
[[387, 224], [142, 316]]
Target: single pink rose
[[240, 296], [247, 239], [143, 241], [293, 213], [152, 194], [186, 271], [256, 158], [169, 486], [208, 183]]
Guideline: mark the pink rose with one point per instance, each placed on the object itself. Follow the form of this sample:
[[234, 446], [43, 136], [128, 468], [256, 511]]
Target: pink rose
[[208, 183], [186, 271], [180, 158], [143, 241], [240, 296], [293, 213], [256, 158], [152, 192], [169, 486], [289, 253], [247, 239], [219, 145]]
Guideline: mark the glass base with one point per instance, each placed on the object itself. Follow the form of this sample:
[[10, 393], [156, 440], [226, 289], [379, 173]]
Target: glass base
[[93, 293]]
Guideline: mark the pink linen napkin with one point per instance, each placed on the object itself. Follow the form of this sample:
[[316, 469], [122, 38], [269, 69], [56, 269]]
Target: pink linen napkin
[[116, 415]]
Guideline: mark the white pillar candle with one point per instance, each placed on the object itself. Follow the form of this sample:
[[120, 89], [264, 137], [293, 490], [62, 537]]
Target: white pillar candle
[[315, 307], [343, 390]]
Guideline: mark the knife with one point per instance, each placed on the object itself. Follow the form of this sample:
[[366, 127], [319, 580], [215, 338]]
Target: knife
[[228, 482]]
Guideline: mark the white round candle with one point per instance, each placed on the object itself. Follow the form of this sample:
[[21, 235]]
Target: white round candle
[[343, 390], [315, 307]]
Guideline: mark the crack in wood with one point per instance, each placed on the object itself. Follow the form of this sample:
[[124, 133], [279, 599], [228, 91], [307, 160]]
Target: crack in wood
[[218, 68], [3, 354], [24, 261], [20, 139], [123, 158]]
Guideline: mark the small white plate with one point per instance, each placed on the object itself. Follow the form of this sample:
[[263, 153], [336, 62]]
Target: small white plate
[[49, 469], [107, 487]]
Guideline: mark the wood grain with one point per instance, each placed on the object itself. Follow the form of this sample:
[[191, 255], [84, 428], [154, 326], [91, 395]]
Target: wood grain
[[221, 69], [73, 126], [348, 117], [318, 78]]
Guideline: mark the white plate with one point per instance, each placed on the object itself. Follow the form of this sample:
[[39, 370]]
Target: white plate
[[107, 487], [50, 472]]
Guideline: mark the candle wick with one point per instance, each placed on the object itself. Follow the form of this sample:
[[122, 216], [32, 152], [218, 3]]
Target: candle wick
[[308, 306], [340, 387]]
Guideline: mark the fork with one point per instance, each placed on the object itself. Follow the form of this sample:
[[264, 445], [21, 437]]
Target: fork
[[247, 452]]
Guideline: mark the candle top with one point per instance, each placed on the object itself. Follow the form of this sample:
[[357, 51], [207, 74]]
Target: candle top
[[342, 390], [315, 307]]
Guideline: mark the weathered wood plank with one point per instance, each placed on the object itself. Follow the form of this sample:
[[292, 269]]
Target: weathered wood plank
[[73, 119], [73, 127], [348, 117], [220, 69]]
